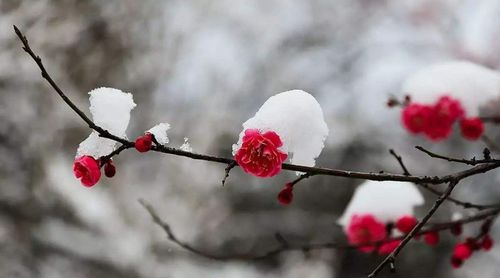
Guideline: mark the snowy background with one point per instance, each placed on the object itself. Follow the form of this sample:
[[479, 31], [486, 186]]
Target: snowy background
[[205, 67]]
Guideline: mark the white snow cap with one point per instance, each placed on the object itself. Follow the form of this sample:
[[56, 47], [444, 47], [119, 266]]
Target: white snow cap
[[297, 118], [386, 200], [160, 132], [110, 109], [472, 84]]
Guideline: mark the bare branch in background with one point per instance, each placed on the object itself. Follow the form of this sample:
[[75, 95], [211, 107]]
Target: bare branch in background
[[434, 191], [285, 245]]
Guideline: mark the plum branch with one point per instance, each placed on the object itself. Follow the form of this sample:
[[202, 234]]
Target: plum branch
[[126, 144], [464, 204], [285, 246], [478, 167]]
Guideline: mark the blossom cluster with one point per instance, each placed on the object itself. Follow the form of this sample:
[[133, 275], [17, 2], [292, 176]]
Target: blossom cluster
[[370, 234], [436, 120], [291, 126], [463, 250]]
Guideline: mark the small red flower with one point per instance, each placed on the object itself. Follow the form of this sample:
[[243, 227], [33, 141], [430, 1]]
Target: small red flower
[[259, 154], [431, 238], [438, 129], [462, 251], [435, 121], [443, 114], [87, 169], [109, 169], [416, 117], [473, 244], [388, 247], [487, 242], [472, 128], [363, 230], [456, 229], [406, 223], [285, 196], [456, 262], [449, 108], [143, 143]]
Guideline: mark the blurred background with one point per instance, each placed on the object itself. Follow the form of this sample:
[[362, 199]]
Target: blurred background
[[205, 67]]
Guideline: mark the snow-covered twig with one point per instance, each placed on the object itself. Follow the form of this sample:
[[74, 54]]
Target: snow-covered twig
[[451, 179], [290, 167]]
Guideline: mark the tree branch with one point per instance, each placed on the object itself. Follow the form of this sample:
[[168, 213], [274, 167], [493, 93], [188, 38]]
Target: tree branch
[[392, 256], [168, 150], [285, 246], [480, 166], [472, 161], [436, 192]]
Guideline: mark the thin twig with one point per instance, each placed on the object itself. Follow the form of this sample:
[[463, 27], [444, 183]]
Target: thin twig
[[300, 178], [490, 143], [472, 161], [392, 256], [436, 192], [285, 246], [290, 167], [227, 170], [451, 179], [400, 161], [46, 76]]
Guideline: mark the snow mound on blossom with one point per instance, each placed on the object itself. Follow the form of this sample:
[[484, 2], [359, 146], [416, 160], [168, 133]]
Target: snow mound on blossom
[[472, 84], [386, 200], [110, 109], [297, 118], [160, 132]]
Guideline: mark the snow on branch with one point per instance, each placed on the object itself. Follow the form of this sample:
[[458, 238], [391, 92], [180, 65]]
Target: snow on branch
[[291, 123]]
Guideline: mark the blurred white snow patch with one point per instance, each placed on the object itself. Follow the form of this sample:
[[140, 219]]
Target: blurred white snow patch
[[481, 30], [110, 109], [98, 209], [386, 200], [298, 119], [176, 267], [93, 206], [472, 84], [160, 132], [186, 146], [455, 216], [297, 265]]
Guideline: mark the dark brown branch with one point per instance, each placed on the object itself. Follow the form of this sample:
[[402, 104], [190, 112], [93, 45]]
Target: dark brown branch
[[291, 167], [227, 170], [491, 119], [300, 178], [46, 76], [436, 192], [400, 161], [472, 161], [490, 143], [285, 246], [117, 151], [392, 256], [452, 179]]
